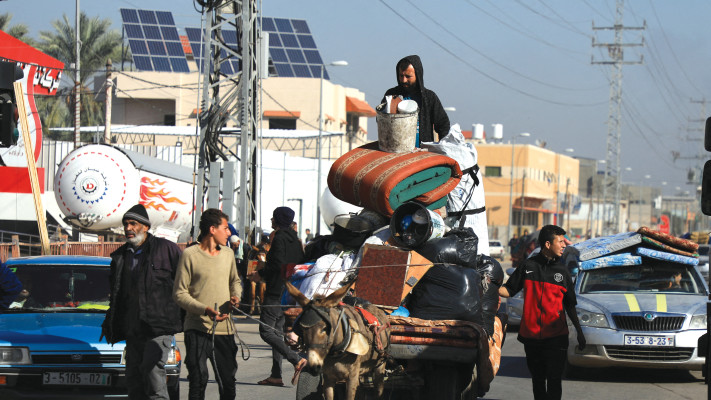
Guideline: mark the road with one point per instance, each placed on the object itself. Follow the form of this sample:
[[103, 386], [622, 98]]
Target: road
[[512, 382]]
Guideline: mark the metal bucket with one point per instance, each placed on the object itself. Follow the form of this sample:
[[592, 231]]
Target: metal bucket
[[413, 224], [396, 132]]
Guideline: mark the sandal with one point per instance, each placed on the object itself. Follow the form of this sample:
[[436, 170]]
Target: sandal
[[297, 370], [271, 382]]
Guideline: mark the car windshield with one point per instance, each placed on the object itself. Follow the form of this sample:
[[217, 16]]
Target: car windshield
[[62, 288], [651, 277], [497, 244]]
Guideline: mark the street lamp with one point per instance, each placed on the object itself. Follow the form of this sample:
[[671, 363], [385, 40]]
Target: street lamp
[[451, 109], [513, 143], [318, 150]]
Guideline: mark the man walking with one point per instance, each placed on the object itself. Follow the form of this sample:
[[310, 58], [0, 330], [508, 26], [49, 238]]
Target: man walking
[[285, 249], [411, 86], [207, 286], [141, 308], [548, 291]]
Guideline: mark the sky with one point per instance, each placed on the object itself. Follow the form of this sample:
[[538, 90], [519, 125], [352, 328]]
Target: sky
[[527, 64]]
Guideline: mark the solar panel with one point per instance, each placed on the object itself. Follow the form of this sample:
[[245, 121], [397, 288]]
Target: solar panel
[[292, 48], [153, 38]]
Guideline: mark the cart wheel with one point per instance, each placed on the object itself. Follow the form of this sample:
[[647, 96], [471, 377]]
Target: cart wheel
[[309, 386]]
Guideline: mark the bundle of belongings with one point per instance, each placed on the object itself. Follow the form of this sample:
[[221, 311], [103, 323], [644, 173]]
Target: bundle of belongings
[[419, 247], [629, 248]]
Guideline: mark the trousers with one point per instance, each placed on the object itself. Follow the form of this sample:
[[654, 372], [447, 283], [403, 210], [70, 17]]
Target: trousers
[[145, 372], [198, 346], [546, 361], [274, 317]]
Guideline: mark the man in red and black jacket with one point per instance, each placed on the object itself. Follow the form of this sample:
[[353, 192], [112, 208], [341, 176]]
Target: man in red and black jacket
[[548, 294]]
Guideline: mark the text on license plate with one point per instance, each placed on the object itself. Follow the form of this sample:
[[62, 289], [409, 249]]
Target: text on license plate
[[662, 341], [76, 378]]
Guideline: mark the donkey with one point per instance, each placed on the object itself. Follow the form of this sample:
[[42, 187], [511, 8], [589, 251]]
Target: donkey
[[340, 343]]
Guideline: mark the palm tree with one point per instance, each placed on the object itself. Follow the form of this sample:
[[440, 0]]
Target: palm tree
[[99, 43], [18, 31]]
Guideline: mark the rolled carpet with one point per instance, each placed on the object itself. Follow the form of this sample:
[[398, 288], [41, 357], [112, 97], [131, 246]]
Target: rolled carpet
[[383, 181]]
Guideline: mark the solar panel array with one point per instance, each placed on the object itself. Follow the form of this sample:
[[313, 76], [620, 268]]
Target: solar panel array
[[155, 45], [292, 48], [154, 41], [230, 65]]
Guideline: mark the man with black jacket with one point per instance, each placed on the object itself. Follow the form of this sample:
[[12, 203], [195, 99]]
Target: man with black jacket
[[141, 308], [411, 86], [285, 249], [548, 294]]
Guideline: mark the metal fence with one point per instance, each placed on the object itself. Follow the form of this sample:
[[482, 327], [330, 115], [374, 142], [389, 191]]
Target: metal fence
[[18, 248]]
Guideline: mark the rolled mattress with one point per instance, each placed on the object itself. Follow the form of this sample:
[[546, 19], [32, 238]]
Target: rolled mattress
[[383, 181]]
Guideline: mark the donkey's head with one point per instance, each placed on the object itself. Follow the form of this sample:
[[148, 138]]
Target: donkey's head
[[322, 326]]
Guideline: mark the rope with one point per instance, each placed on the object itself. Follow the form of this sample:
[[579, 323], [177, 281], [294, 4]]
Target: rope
[[218, 379]]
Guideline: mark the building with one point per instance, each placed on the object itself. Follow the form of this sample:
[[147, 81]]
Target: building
[[534, 188]]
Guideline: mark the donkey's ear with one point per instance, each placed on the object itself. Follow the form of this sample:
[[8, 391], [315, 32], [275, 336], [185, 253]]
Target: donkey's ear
[[334, 298], [297, 295]]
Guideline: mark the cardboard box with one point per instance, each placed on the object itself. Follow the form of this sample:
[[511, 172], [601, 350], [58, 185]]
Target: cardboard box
[[388, 274]]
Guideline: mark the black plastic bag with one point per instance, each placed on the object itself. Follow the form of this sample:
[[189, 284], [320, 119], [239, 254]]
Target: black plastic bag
[[458, 246], [492, 277], [447, 291]]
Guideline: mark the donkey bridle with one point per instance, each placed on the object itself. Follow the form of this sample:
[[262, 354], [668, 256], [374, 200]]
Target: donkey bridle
[[314, 314]]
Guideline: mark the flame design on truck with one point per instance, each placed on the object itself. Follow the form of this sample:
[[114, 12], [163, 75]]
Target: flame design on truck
[[153, 194]]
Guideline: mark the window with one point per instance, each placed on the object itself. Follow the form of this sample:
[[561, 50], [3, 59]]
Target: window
[[169, 119], [492, 171], [282, 123]]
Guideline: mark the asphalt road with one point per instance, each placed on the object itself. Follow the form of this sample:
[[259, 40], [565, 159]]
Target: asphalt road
[[512, 382]]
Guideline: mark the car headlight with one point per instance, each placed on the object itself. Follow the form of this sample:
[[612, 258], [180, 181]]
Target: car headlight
[[589, 318], [698, 322], [123, 357], [15, 355]]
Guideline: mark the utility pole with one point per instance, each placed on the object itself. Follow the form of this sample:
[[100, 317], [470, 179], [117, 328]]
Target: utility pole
[[77, 80], [614, 121], [230, 98], [107, 115]]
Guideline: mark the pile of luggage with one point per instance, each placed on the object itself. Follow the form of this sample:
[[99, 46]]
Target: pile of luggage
[[629, 248], [429, 201]]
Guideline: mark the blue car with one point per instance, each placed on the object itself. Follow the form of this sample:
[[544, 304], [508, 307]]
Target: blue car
[[49, 337]]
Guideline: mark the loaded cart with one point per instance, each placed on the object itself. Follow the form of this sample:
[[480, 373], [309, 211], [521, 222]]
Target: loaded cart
[[431, 359]]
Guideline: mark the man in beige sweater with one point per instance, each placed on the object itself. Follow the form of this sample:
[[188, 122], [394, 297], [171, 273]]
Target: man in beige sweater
[[207, 276]]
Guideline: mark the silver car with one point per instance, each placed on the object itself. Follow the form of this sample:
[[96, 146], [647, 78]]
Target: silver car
[[648, 316]]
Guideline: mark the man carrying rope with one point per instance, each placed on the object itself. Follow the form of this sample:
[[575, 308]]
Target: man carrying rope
[[285, 249], [207, 286]]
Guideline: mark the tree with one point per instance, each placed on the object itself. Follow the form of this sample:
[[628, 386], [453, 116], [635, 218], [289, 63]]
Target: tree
[[18, 31], [99, 43]]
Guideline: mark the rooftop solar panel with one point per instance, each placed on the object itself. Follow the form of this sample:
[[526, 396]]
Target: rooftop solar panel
[[296, 56], [283, 25], [289, 40], [268, 24], [306, 41], [300, 26], [153, 37], [302, 71]]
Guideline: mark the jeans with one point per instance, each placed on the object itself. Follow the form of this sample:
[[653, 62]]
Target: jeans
[[198, 348], [274, 317], [546, 360], [145, 362]]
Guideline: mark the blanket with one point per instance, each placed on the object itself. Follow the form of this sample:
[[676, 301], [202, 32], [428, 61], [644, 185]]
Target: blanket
[[383, 181], [662, 255], [672, 241], [600, 246]]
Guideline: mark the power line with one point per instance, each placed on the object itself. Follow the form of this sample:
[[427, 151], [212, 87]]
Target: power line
[[453, 54], [482, 54]]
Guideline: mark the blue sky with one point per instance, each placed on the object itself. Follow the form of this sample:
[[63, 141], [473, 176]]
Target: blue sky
[[523, 63]]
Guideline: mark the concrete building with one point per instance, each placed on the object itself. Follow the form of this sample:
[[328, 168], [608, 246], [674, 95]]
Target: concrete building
[[290, 119], [535, 188]]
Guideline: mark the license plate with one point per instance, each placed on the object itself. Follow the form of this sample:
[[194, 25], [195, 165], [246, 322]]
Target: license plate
[[76, 378], [655, 341]]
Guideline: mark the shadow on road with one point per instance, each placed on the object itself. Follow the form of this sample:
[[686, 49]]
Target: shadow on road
[[514, 367], [634, 375]]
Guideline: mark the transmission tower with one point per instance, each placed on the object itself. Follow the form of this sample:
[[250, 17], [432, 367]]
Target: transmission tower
[[615, 51], [230, 94]]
